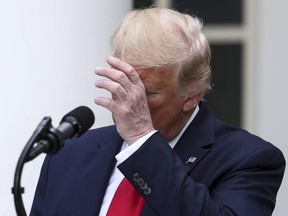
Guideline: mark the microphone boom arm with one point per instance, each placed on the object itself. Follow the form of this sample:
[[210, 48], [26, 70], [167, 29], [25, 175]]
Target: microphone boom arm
[[48, 139], [17, 190]]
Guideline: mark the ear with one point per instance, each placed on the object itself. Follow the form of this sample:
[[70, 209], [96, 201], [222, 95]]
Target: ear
[[191, 102]]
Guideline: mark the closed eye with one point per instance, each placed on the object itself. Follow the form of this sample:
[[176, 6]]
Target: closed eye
[[149, 93]]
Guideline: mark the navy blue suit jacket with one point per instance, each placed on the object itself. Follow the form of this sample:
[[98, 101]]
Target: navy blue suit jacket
[[231, 172]]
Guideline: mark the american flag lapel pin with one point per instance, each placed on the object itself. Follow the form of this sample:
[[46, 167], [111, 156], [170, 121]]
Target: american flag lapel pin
[[191, 160]]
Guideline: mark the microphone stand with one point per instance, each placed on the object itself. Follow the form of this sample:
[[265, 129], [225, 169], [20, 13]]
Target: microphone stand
[[25, 156]]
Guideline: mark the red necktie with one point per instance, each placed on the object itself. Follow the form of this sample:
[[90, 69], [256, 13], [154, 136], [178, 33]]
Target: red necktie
[[126, 201]]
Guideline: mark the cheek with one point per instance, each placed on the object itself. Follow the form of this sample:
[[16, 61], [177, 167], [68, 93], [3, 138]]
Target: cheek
[[156, 108], [162, 112]]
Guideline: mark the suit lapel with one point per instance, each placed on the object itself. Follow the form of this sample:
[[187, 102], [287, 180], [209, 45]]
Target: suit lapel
[[94, 172], [198, 138]]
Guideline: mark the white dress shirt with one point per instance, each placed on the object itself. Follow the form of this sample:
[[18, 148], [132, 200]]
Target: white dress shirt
[[124, 153]]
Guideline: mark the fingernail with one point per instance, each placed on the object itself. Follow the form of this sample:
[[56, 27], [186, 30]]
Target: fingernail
[[97, 70], [110, 58]]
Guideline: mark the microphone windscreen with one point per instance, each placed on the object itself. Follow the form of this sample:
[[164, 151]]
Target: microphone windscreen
[[84, 117]]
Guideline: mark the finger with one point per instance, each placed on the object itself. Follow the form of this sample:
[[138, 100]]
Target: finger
[[113, 87], [105, 102], [115, 75], [126, 68]]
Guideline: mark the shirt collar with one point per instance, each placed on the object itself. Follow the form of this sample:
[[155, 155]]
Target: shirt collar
[[173, 142]]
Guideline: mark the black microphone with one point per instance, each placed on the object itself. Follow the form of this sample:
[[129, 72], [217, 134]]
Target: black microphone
[[76, 122], [72, 125]]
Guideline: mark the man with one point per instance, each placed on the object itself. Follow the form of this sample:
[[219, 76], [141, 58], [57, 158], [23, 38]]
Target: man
[[179, 158]]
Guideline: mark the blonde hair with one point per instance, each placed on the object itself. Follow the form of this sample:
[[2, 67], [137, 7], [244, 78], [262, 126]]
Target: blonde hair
[[165, 38]]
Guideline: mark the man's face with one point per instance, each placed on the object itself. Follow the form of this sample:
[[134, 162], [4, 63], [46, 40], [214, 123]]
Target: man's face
[[165, 104]]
